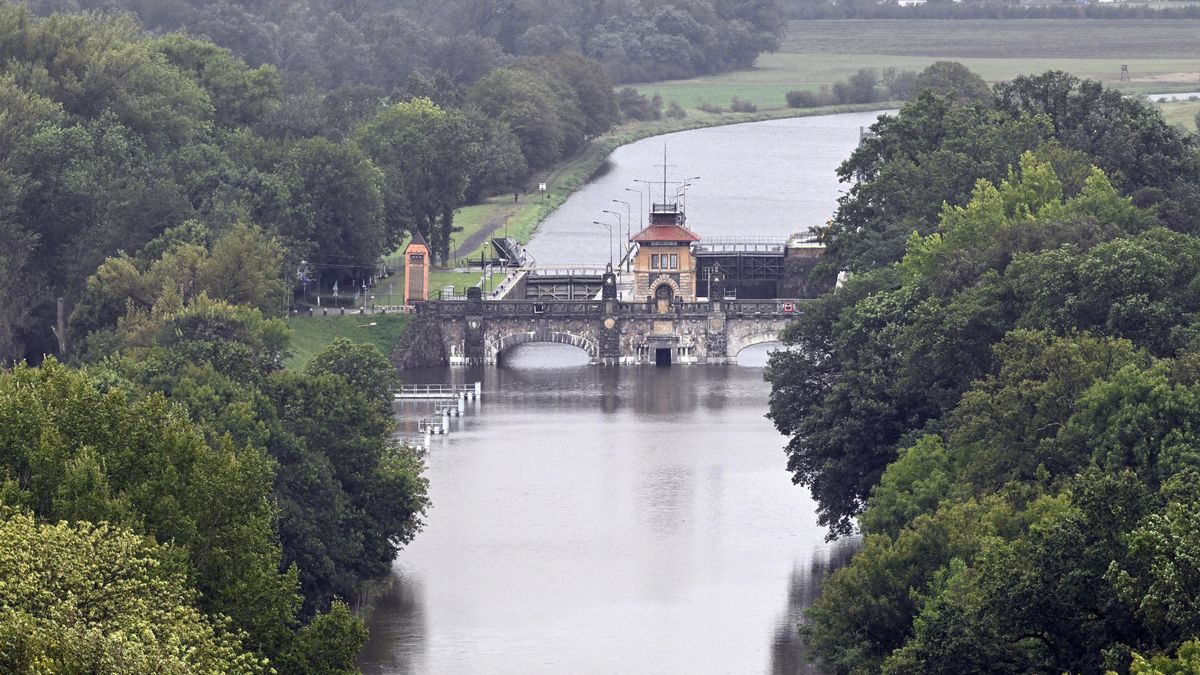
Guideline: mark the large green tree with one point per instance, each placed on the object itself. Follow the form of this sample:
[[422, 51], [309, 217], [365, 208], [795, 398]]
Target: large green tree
[[83, 598]]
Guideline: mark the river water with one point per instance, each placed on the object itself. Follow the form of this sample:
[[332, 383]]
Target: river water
[[633, 519]]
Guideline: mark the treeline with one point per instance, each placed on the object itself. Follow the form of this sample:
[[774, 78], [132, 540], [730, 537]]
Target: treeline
[[112, 138], [180, 502], [870, 85], [186, 505], [336, 43], [869, 9], [1002, 396]]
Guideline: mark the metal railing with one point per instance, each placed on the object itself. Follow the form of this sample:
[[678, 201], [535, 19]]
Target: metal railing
[[568, 270], [595, 308]]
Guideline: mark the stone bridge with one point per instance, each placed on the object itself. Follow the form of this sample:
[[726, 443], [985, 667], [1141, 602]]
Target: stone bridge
[[475, 331]]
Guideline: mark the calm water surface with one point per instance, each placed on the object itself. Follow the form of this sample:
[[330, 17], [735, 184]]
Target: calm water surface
[[623, 520], [771, 178]]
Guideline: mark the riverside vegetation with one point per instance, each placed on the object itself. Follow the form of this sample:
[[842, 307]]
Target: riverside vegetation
[[172, 499], [1003, 397]]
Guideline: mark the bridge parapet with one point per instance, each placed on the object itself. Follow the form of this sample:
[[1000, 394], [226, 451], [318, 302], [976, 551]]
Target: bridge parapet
[[550, 309], [476, 331]]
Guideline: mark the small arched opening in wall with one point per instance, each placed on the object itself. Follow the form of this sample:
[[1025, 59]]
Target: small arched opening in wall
[[542, 349]]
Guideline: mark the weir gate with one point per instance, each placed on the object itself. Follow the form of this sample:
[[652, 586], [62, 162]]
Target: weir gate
[[479, 332], [671, 298]]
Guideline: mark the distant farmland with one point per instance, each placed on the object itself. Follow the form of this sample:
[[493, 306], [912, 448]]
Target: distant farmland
[[1161, 55], [1000, 38]]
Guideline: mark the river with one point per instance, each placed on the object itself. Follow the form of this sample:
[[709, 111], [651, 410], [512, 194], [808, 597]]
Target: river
[[623, 520]]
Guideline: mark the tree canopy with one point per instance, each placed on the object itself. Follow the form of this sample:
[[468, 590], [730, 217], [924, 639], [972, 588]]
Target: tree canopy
[[124, 145], [1001, 397]]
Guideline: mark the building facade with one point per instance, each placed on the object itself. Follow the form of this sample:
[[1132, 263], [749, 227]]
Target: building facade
[[664, 268]]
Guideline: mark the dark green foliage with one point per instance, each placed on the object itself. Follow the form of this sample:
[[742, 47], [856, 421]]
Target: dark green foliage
[[74, 450], [635, 106], [348, 498], [113, 138], [383, 44], [1005, 395], [937, 147], [951, 78]]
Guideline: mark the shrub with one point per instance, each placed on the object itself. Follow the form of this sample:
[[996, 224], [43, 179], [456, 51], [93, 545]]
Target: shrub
[[801, 98], [738, 105], [676, 111], [635, 106]]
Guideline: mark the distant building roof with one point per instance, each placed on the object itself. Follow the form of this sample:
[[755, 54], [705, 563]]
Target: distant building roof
[[665, 233]]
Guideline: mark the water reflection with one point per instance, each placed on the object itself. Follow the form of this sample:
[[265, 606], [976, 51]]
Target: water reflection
[[593, 519], [789, 654]]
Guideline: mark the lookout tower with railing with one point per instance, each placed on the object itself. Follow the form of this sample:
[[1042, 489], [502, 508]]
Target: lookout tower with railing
[[665, 268]]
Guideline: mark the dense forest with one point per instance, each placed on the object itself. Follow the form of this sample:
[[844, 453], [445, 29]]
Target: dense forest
[[336, 43], [121, 143], [336, 128], [1002, 395]]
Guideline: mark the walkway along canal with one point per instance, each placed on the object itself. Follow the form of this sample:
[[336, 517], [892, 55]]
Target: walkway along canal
[[623, 520]]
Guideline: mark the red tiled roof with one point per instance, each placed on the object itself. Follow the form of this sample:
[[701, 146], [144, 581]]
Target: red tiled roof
[[666, 233]]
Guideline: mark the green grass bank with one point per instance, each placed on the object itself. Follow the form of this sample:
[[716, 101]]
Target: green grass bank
[[311, 334]]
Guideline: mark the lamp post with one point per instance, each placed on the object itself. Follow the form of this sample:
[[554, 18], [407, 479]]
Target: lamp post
[[609, 228], [681, 191], [649, 199], [685, 184], [641, 209], [628, 221]]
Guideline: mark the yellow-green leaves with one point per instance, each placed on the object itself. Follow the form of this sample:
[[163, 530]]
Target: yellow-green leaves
[[97, 599]]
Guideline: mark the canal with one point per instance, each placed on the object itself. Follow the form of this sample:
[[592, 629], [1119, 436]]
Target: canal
[[623, 520]]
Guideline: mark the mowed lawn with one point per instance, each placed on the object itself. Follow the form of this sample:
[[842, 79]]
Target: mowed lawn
[[1161, 55], [312, 334]]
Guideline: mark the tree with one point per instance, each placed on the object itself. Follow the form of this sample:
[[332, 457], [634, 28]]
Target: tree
[[951, 78], [101, 599], [340, 202], [526, 102], [76, 451], [426, 160]]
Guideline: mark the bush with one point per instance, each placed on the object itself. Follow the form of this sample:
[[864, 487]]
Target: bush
[[676, 111], [635, 106], [738, 105], [801, 98], [714, 109], [899, 83], [858, 88]]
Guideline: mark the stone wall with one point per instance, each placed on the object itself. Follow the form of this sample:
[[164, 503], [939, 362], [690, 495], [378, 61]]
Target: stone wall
[[474, 332]]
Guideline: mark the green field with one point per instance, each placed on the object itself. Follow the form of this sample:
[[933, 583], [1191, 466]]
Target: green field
[[1161, 55], [1181, 113], [311, 334]]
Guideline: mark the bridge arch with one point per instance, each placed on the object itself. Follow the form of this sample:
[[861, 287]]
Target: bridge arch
[[739, 340], [499, 344]]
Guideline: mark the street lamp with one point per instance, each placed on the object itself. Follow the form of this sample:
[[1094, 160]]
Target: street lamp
[[609, 228], [641, 209], [649, 199], [628, 221], [628, 217], [685, 184]]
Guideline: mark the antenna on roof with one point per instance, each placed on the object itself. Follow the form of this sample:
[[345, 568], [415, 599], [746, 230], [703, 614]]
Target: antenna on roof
[[664, 166]]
